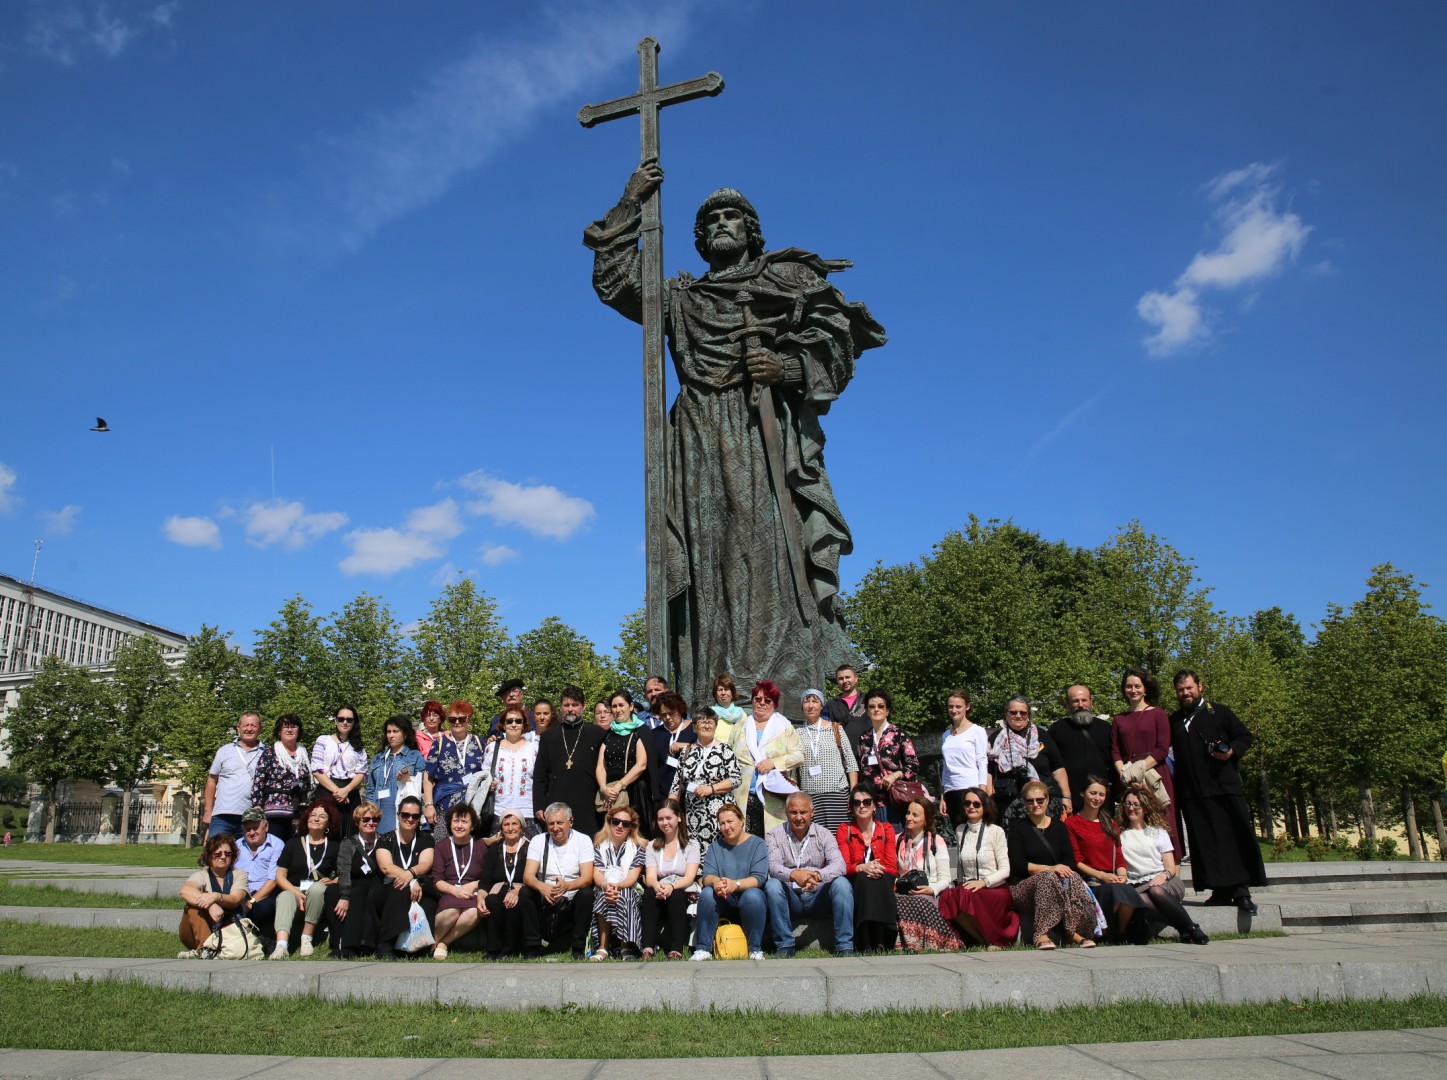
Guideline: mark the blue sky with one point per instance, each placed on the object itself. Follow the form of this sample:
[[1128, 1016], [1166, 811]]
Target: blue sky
[[1135, 260]]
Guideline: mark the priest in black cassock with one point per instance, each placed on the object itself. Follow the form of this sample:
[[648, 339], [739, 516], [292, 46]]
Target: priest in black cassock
[[1083, 740], [1208, 741], [566, 770]]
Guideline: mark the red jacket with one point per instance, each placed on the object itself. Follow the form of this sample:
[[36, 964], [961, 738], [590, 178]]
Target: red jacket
[[851, 845]]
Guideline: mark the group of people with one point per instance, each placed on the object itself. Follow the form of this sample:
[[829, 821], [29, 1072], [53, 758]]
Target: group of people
[[642, 830]]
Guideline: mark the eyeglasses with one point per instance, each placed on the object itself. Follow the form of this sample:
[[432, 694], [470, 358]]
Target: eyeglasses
[[975, 803], [1133, 806], [1035, 802], [620, 822], [408, 817], [1018, 712], [861, 802], [759, 697], [369, 820], [221, 853]]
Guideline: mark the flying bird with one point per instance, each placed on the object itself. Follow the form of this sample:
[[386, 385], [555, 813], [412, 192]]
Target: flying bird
[[100, 424]]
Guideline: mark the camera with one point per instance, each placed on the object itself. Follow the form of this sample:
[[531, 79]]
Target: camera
[[1221, 747]]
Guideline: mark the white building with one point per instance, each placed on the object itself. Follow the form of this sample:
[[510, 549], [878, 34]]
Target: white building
[[36, 623]]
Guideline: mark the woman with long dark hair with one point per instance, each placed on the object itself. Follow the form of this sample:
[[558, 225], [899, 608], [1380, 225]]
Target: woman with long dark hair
[[395, 770], [886, 754], [978, 903], [867, 845], [339, 764], [1140, 738], [1095, 839]]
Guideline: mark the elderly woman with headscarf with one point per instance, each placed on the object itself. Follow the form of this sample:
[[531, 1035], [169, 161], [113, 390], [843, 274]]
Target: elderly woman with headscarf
[[1022, 752], [769, 751], [829, 770]]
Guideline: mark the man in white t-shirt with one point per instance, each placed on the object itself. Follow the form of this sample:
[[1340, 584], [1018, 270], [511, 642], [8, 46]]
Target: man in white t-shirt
[[228, 781], [558, 901]]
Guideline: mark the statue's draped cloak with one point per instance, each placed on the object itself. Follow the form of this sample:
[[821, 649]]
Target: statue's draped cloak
[[734, 604]]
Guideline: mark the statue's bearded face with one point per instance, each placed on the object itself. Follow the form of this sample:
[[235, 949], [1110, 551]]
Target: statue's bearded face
[[725, 232]]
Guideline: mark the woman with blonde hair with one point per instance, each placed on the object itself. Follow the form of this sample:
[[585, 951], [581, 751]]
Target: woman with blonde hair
[[618, 858], [352, 901], [1045, 882]]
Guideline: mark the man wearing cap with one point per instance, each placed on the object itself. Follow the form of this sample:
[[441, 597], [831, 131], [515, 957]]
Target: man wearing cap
[[257, 854], [510, 694], [762, 345]]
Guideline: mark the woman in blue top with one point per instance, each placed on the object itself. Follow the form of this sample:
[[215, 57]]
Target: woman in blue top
[[455, 756], [733, 875], [395, 770]]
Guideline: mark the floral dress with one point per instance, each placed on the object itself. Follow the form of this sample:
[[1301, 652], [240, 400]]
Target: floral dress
[[892, 751], [711, 764], [449, 765]]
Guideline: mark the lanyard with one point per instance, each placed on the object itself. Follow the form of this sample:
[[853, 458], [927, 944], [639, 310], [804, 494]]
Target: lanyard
[[249, 764], [411, 851], [798, 854], [311, 867], [366, 866], [463, 872], [391, 766], [511, 875]]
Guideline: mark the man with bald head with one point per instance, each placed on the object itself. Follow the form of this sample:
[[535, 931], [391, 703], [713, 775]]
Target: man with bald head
[[1083, 740], [806, 877]]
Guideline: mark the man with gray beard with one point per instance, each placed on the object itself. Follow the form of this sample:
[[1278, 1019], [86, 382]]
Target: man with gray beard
[[1083, 740]]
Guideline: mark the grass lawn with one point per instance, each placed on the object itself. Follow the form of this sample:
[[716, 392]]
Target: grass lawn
[[50, 896], [78, 1015], [78, 855]]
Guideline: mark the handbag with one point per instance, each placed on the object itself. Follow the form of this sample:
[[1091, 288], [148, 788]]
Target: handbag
[[237, 940], [600, 802], [904, 792], [911, 880]]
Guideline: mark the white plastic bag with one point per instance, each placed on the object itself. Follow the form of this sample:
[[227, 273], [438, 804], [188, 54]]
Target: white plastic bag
[[418, 934]]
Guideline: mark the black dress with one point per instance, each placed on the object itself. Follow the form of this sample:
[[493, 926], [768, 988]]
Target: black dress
[[504, 925], [358, 880], [393, 904], [620, 754]]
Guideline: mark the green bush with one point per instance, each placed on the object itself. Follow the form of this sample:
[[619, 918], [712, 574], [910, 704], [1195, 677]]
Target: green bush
[[1280, 845], [1341, 845], [1366, 848], [1316, 849], [1387, 847]]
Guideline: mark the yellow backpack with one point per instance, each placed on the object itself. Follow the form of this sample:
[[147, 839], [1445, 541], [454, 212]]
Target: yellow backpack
[[729, 942]]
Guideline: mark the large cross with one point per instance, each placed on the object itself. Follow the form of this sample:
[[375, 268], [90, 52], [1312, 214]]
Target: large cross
[[650, 98]]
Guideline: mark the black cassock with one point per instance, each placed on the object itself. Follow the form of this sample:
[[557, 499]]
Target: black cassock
[[1085, 752], [554, 781], [1224, 852]]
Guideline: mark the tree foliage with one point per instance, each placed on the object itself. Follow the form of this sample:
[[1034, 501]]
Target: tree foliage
[[64, 726], [142, 683], [552, 655], [459, 644]]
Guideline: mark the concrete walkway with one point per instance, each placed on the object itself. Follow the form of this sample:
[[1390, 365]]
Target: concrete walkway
[[1326, 966], [1414, 1054]]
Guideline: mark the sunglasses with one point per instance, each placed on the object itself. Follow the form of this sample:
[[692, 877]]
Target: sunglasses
[[370, 820], [861, 802], [511, 720], [344, 720], [1035, 802], [974, 803], [221, 854], [455, 720], [620, 822], [877, 706], [408, 817]]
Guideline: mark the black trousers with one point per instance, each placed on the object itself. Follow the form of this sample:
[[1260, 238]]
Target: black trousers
[[673, 911], [566, 921], [505, 926]]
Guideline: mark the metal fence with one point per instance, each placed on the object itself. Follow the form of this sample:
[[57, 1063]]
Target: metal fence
[[149, 821]]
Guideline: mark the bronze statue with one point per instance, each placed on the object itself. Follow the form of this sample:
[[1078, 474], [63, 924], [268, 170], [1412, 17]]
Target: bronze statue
[[762, 345]]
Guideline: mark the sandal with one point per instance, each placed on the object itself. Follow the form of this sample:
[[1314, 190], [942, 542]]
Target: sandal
[[599, 956], [647, 954], [675, 955], [439, 951], [1044, 944], [1084, 942]]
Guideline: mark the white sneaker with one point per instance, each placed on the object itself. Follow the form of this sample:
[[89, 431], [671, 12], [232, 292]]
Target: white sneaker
[[701, 954], [189, 954], [757, 955], [280, 952], [306, 949]]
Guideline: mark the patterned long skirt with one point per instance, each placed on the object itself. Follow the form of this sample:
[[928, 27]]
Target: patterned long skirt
[[922, 927], [1056, 902]]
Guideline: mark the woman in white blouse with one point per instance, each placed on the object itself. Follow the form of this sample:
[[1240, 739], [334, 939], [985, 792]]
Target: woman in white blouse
[[340, 765], [670, 879], [924, 873], [513, 760], [1150, 864], [966, 756], [979, 902]]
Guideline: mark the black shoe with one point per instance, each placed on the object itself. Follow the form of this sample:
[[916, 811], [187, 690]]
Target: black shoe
[[578, 954], [1219, 900], [783, 953], [1196, 936], [384, 952], [1246, 904], [532, 953], [845, 954]]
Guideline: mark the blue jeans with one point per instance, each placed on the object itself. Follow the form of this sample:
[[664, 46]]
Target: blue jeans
[[750, 907], [786, 905], [224, 825]]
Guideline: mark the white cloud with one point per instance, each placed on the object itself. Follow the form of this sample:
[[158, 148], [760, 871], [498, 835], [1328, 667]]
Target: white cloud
[[539, 508], [496, 554], [8, 477], [193, 532], [60, 522], [288, 524], [1258, 241], [440, 521], [386, 551], [109, 34], [403, 159], [450, 573]]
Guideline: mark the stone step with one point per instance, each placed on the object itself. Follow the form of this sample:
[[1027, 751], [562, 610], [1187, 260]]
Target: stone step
[[1350, 875], [1328, 966], [148, 887]]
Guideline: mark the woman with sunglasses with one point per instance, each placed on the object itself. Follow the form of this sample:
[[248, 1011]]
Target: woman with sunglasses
[[395, 770], [868, 847], [283, 778], [308, 864], [979, 903], [923, 861], [457, 873], [500, 903], [213, 895], [1021, 753], [1151, 867], [670, 878], [404, 858], [513, 761], [1095, 839], [1044, 882], [617, 865], [339, 764], [886, 753], [766, 742], [351, 901], [455, 756]]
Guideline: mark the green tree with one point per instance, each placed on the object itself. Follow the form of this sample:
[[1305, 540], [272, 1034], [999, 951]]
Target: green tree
[[459, 644], [370, 660], [552, 655], [1378, 679], [631, 664], [63, 728], [294, 669], [141, 683]]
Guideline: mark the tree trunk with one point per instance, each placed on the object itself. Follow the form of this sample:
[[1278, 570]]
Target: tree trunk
[[1288, 806], [1441, 829], [125, 812], [1268, 820], [50, 816], [1331, 813], [1302, 820], [1369, 812], [1316, 810], [1409, 813]]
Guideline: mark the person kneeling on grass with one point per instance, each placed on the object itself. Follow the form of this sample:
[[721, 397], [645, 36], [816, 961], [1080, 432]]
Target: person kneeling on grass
[[734, 872], [213, 895]]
